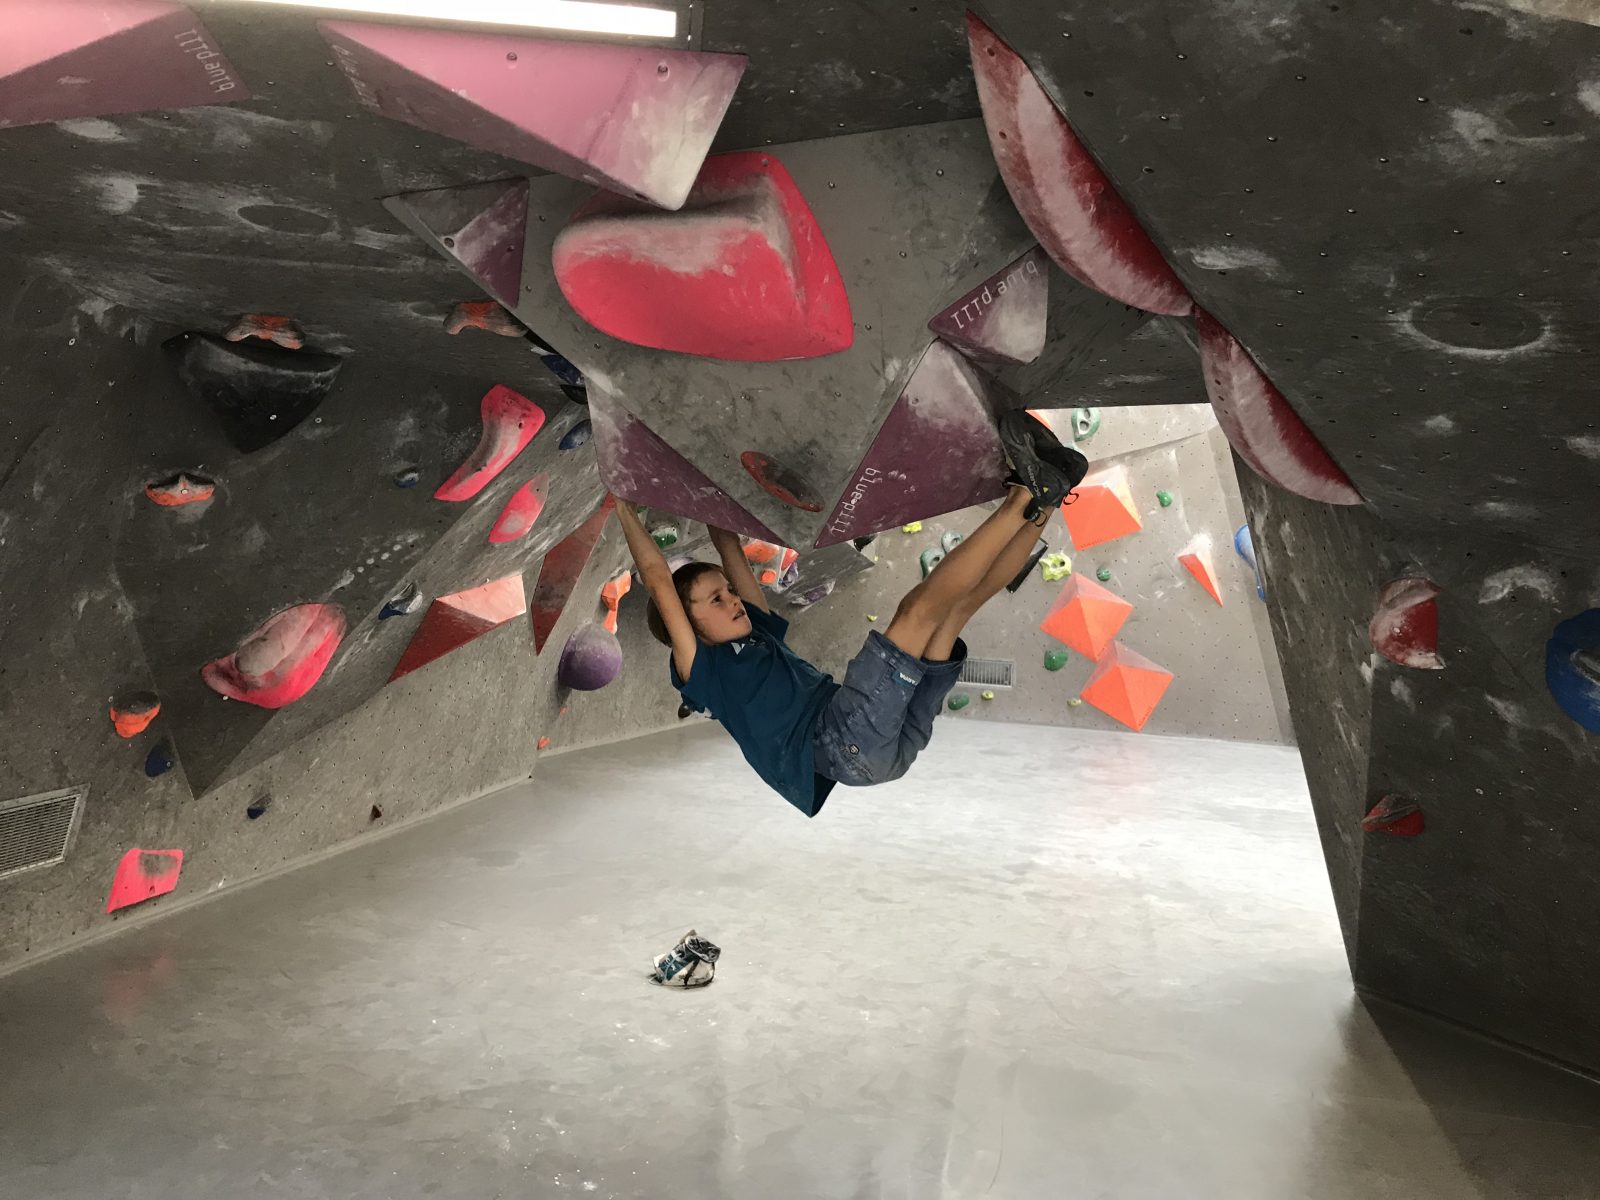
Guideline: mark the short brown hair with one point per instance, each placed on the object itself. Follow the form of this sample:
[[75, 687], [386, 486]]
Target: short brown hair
[[683, 581]]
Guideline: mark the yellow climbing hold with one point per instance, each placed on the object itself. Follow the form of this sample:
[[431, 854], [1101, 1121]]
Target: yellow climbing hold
[[988, 695], [872, 616], [914, 527]]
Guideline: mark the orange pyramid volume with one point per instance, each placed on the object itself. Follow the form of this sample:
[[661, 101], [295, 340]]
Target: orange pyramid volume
[[1126, 686], [1086, 616]]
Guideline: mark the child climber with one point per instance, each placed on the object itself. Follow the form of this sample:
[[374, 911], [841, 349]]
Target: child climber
[[801, 731]]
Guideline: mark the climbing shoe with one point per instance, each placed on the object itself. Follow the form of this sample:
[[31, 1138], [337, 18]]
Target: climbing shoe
[[1039, 462]]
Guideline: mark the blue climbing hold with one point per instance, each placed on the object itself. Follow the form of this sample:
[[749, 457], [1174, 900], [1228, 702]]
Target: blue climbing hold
[[1245, 545], [1572, 668], [407, 478], [159, 761], [258, 807], [562, 369], [578, 435]]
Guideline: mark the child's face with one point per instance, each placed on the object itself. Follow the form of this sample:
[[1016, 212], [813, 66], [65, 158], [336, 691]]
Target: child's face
[[716, 610]]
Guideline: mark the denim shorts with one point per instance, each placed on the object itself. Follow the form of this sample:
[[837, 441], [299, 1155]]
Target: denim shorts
[[882, 715]]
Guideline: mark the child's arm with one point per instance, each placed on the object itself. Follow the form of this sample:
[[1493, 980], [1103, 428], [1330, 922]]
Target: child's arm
[[737, 568], [657, 578]]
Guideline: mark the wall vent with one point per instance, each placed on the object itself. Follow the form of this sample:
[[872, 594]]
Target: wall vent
[[37, 831], [989, 672]]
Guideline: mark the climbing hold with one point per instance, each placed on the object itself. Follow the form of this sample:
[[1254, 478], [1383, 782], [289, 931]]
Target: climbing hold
[[1261, 426], [1021, 578], [487, 315], [814, 595], [913, 527], [1126, 686], [460, 617], [375, 813], [1244, 545], [520, 512], [509, 423], [174, 491], [1103, 511], [1164, 499], [692, 963], [1572, 668], [664, 535], [131, 714], [1055, 567], [959, 701], [559, 572], [1103, 574], [780, 481], [281, 659], [931, 558], [1061, 192], [1002, 320], [1085, 423], [543, 743], [988, 695], [407, 478], [142, 875], [159, 761], [578, 435], [402, 604], [872, 616], [1395, 815], [779, 560], [1054, 660], [258, 391], [257, 808], [951, 540], [1086, 617], [611, 595], [591, 659], [1405, 627], [1196, 559], [1075, 702], [482, 227], [278, 330], [743, 272]]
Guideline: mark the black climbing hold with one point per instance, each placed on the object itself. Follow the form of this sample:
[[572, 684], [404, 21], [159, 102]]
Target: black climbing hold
[[578, 435], [257, 807], [258, 391], [159, 761], [376, 814], [683, 711]]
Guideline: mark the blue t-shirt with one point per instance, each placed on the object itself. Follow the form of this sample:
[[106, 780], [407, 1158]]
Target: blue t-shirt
[[768, 698]]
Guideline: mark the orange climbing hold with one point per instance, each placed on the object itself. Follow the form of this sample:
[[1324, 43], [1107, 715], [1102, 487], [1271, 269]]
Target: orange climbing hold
[[1086, 616], [1126, 686], [488, 315], [1197, 561], [1103, 511], [132, 715], [177, 490], [612, 594], [280, 330], [544, 743]]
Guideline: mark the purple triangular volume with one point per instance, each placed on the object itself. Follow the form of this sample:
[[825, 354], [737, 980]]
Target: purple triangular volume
[[637, 465], [1002, 320], [481, 226], [635, 120], [67, 59], [937, 451]]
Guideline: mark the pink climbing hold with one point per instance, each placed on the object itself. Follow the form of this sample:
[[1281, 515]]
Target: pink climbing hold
[[638, 120], [279, 330], [521, 511], [1260, 425], [1405, 627], [65, 59], [1002, 320], [1395, 815], [143, 875], [282, 659], [1060, 190], [509, 422], [742, 273]]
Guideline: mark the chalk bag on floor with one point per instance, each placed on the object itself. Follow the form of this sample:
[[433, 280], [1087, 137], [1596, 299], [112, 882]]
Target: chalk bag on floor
[[691, 963]]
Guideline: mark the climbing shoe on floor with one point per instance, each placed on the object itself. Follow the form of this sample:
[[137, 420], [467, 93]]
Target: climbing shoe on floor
[[1039, 462]]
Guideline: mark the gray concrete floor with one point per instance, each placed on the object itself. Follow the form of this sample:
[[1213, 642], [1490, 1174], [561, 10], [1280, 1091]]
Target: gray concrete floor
[[1046, 964]]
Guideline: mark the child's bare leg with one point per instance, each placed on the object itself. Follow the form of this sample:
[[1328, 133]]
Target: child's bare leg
[[1004, 569], [928, 605]]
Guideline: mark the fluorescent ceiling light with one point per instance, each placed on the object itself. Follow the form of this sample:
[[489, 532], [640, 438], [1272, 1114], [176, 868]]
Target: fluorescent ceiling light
[[569, 16]]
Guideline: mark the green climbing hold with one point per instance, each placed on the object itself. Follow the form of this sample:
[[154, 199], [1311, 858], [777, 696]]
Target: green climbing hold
[[665, 535], [1085, 423], [1054, 660], [951, 540], [1165, 499], [959, 701], [931, 558], [1055, 567], [1103, 574], [988, 695]]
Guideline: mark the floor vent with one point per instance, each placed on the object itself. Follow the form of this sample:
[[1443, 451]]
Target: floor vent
[[989, 672], [37, 831]]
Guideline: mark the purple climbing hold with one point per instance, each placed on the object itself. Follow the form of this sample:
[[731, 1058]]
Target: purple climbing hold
[[591, 659]]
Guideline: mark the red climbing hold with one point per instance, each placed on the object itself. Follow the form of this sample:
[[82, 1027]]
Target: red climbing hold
[[1196, 560], [282, 659], [1394, 815], [558, 573], [488, 315], [509, 422], [131, 715], [521, 511], [742, 272], [1405, 627], [544, 743], [1262, 428], [281, 330], [461, 617], [143, 875], [1060, 190], [780, 481], [180, 489]]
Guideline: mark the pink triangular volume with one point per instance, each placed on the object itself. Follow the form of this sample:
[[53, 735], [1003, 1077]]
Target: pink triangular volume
[[1002, 320], [142, 875], [93, 58], [634, 120], [481, 226]]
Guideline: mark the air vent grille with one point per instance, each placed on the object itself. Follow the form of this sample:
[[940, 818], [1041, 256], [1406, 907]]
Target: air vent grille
[[37, 831], [989, 672]]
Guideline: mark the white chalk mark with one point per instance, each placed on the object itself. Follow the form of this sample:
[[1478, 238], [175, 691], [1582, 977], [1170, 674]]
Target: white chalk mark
[[1406, 324], [1501, 584]]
